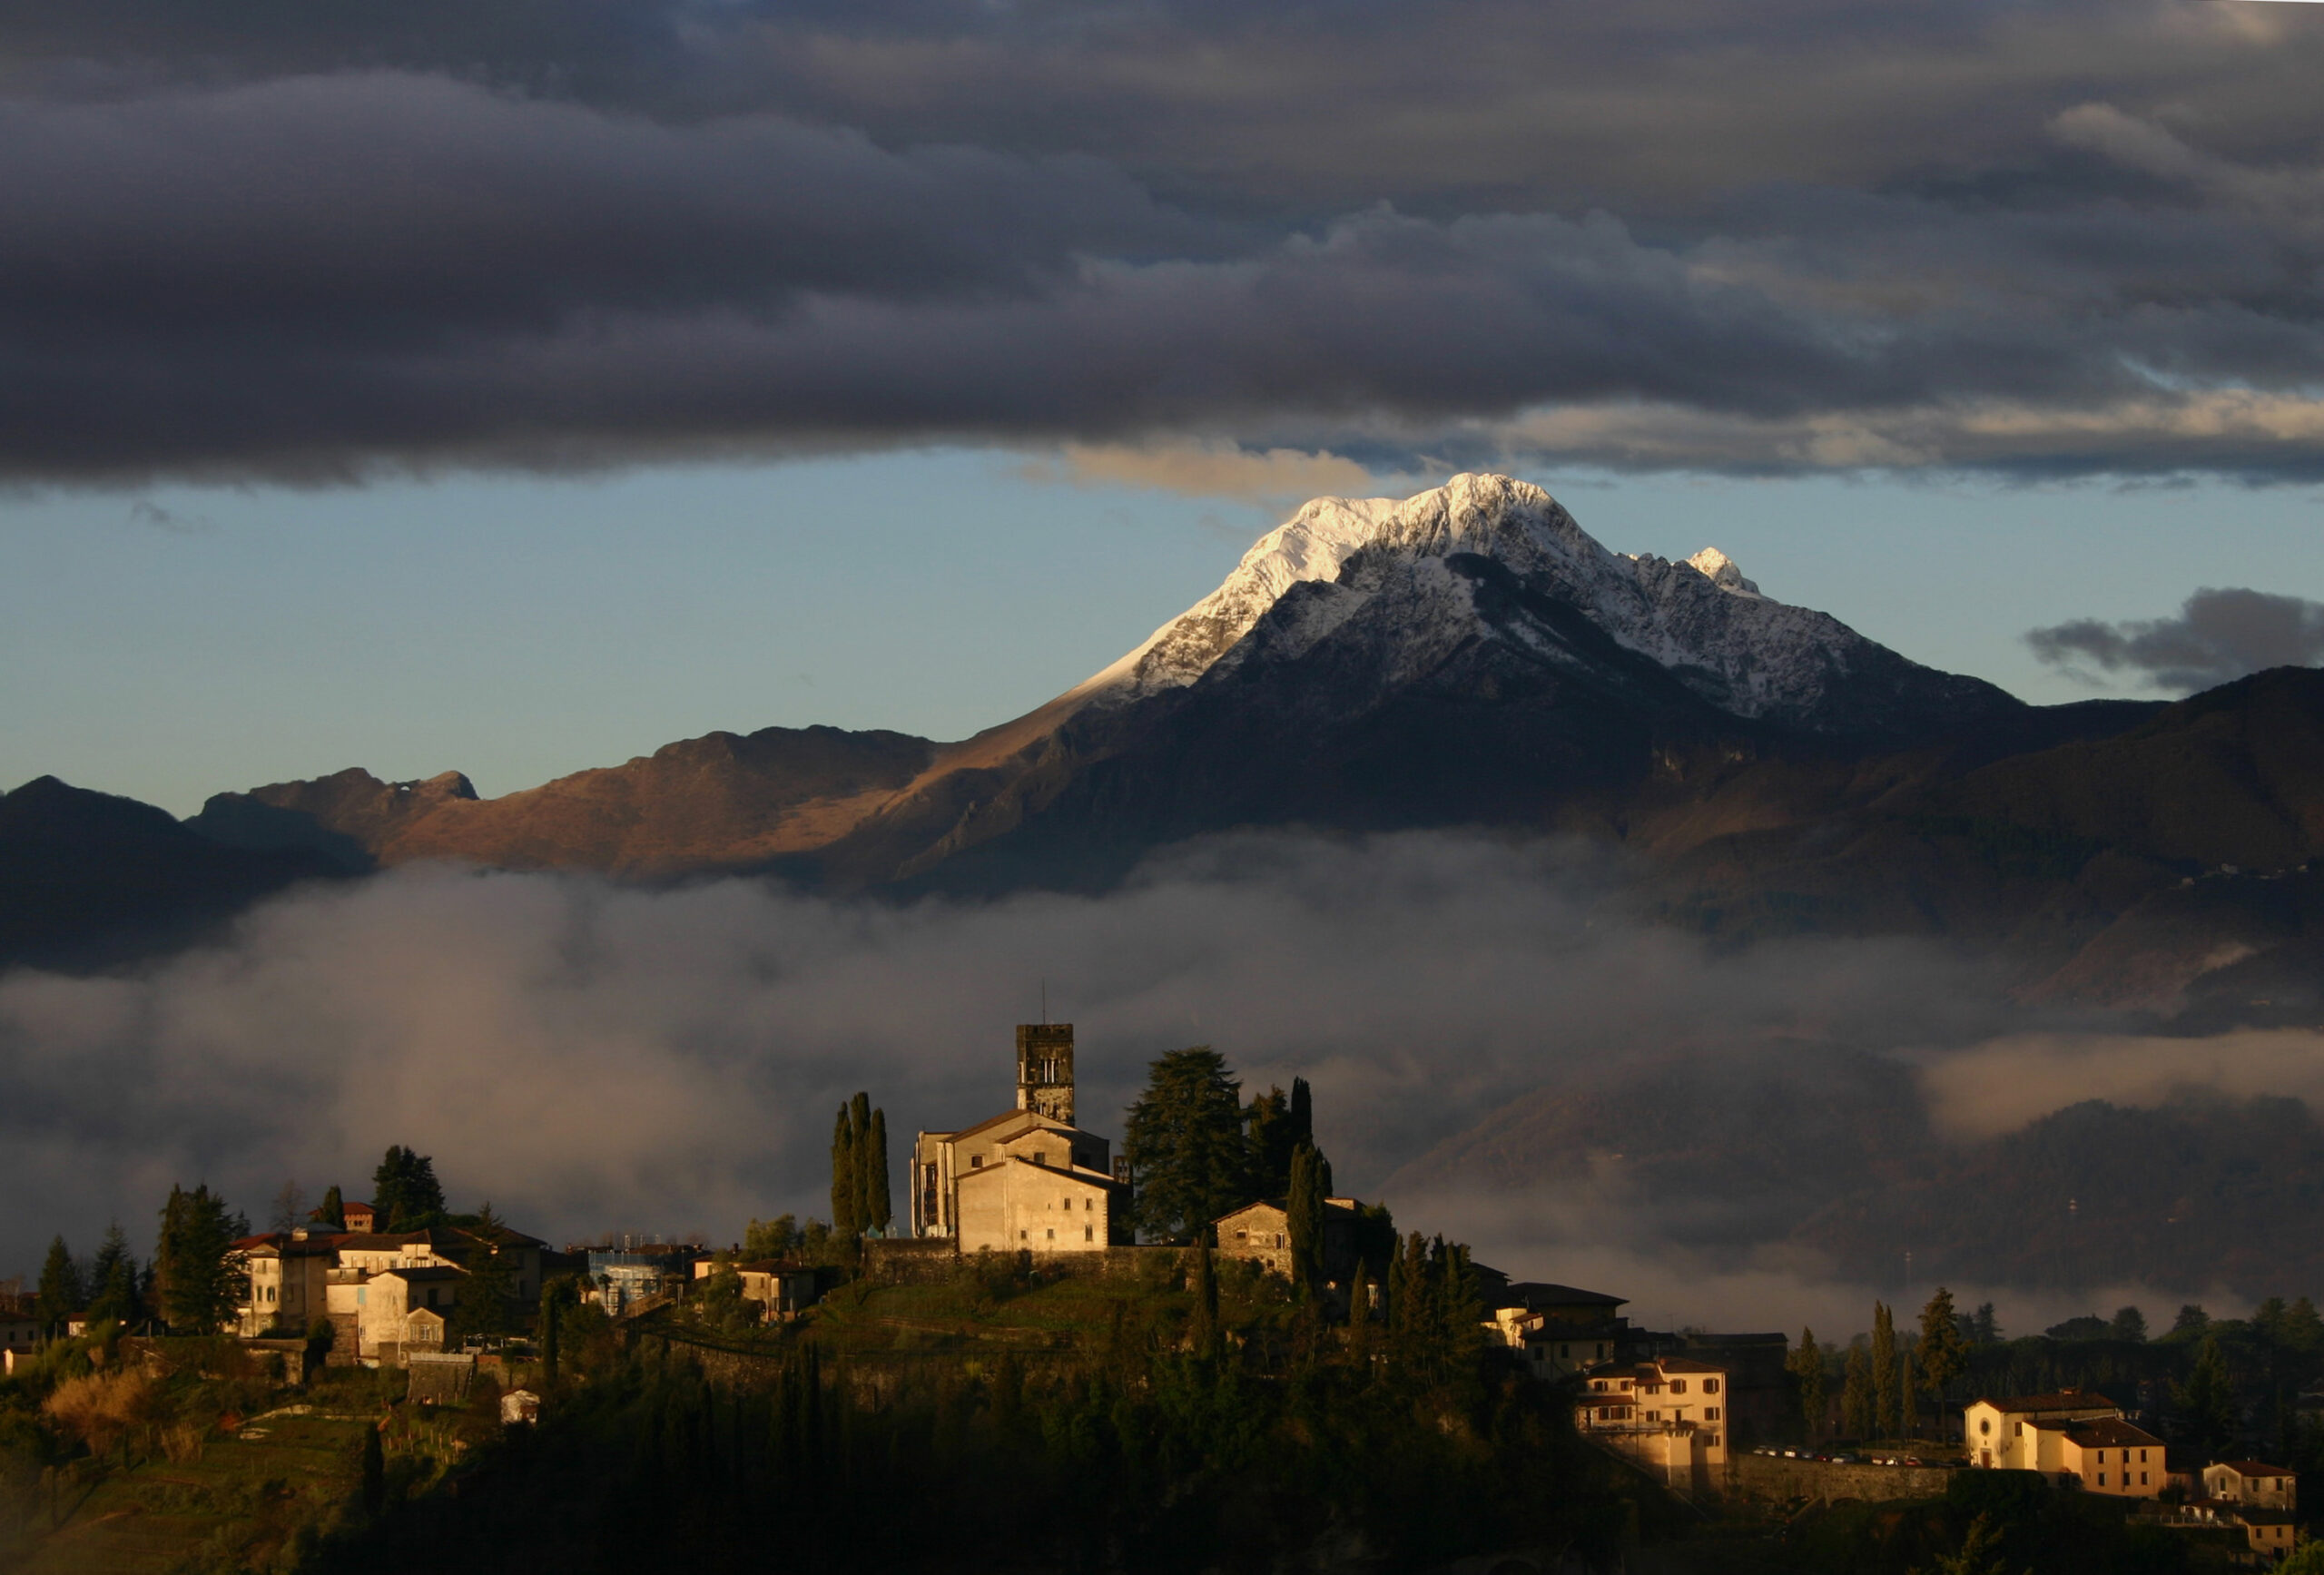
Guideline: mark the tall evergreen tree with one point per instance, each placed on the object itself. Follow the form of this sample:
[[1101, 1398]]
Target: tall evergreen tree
[[113, 1280], [1303, 1219], [405, 1193], [878, 1208], [2130, 1325], [1302, 1114], [858, 1128], [847, 1179], [198, 1278], [1360, 1317], [61, 1293], [1273, 1141], [1806, 1365], [1885, 1389], [1944, 1354], [480, 1305], [331, 1214], [1408, 1299], [2205, 1403], [1184, 1139], [1204, 1329], [1856, 1417]]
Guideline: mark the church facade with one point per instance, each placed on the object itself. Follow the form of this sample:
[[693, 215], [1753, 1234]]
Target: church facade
[[1027, 1179]]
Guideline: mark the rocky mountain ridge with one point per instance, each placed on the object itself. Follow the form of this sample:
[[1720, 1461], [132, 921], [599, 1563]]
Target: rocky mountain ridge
[[1471, 657]]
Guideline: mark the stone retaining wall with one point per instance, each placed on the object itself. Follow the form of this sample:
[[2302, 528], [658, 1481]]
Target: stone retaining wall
[[1760, 1476]]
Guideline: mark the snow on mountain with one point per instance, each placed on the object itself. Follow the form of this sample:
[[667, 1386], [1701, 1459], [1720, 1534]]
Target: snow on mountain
[[1700, 618]]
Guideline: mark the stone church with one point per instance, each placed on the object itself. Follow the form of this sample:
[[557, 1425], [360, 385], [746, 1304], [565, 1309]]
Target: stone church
[[1027, 1179]]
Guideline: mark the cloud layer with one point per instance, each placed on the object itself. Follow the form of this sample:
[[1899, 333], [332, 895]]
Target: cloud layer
[[2219, 636], [284, 242], [589, 1057]]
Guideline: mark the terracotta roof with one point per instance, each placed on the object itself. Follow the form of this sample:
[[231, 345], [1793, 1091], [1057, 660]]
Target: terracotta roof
[[377, 1241], [1063, 1172], [1687, 1364], [2064, 1400], [991, 1121], [2252, 1468], [430, 1272], [2111, 1433]]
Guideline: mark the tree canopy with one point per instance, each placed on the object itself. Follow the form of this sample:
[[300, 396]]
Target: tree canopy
[[405, 1193], [196, 1277], [1185, 1146]]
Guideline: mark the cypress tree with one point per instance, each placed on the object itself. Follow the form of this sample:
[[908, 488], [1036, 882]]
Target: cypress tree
[[1205, 1329], [1883, 1372], [1272, 1144], [1302, 1114], [332, 1212], [60, 1294], [1806, 1364], [878, 1209], [846, 1179], [1359, 1319], [375, 1470], [1303, 1212], [1944, 1354], [1856, 1396], [1408, 1310], [858, 1132]]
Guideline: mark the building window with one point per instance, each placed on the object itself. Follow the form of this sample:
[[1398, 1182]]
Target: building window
[[1564, 1351], [1678, 1386], [2141, 1474], [1710, 1413], [1020, 1236], [1089, 1233], [1710, 1386], [2102, 1478], [1985, 1425], [976, 1162], [1052, 1235]]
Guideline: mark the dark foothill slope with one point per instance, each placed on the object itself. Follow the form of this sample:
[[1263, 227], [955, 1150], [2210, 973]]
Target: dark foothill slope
[[721, 801], [87, 878]]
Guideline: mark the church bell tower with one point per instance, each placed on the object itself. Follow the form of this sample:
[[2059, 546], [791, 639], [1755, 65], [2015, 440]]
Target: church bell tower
[[1045, 1069]]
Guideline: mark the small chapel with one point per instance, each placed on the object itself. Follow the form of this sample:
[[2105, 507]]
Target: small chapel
[[1028, 1179]]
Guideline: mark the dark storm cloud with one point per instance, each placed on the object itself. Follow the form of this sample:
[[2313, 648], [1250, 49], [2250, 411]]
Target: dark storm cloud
[[2217, 636], [293, 241]]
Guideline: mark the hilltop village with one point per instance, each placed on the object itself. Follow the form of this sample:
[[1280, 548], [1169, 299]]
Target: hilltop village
[[1214, 1235]]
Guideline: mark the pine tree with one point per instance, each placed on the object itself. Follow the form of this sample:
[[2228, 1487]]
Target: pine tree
[[847, 1179], [1185, 1140], [1855, 1395], [1203, 1331], [1944, 1355], [332, 1213], [61, 1293], [2206, 1401], [1805, 1364], [113, 1280], [2130, 1325], [878, 1208], [405, 1193], [198, 1276], [1885, 1396], [481, 1306]]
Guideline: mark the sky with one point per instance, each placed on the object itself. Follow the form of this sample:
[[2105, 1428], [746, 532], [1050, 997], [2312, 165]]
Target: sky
[[516, 388]]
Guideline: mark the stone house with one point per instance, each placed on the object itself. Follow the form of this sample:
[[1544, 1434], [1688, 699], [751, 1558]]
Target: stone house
[[780, 1287], [2251, 1482], [1261, 1234], [1558, 1330], [287, 1279], [402, 1310]]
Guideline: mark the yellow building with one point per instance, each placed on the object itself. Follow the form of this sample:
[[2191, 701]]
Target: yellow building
[[1669, 1414], [2026, 1433]]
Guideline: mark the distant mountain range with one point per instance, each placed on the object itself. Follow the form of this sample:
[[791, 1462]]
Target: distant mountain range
[[1469, 656]]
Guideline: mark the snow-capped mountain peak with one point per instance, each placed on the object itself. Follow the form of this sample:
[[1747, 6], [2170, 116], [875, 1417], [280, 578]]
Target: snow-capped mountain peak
[[1723, 572], [1713, 629]]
